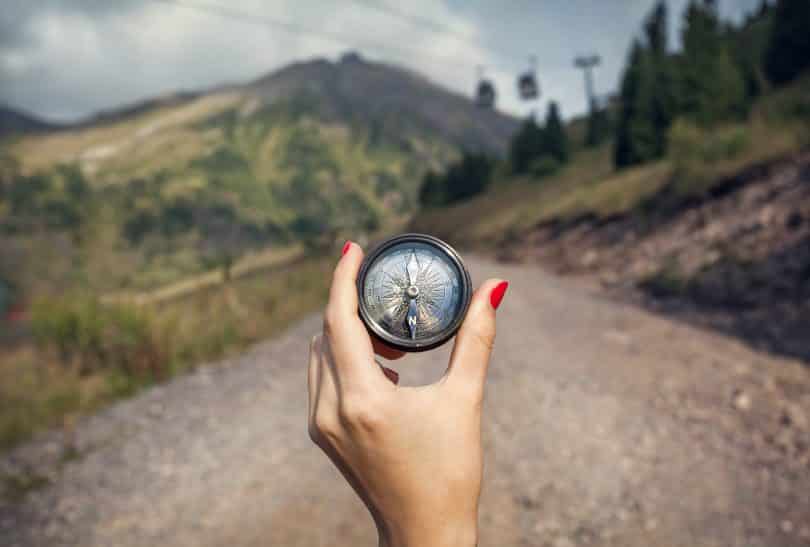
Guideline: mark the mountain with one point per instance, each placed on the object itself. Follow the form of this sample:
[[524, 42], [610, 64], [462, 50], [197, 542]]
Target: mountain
[[374, 93], [170, 186], [16, 122]]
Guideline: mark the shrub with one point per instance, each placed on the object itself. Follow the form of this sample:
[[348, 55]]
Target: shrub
[[544, 167], [696, 153], [692, 144], [96, 335], [463, 179]]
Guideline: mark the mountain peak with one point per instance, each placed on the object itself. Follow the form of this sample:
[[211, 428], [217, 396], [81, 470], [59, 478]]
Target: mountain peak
[[371, 92], [351, 57]]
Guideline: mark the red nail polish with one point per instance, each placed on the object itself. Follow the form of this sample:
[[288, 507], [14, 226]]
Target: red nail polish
[[497, 293], [391, 374], [346, 248]]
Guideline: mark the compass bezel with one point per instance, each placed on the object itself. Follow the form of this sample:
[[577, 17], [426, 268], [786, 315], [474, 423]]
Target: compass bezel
[[404, 344]]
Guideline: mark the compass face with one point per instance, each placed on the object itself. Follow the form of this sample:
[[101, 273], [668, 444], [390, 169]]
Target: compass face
[[414, 292]]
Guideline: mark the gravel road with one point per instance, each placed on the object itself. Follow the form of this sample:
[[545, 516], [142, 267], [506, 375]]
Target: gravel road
[[604, 425]]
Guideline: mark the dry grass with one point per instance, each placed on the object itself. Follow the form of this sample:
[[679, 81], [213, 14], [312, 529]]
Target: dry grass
[[42, 387], [104, 144], [590, 186], [247, 266]]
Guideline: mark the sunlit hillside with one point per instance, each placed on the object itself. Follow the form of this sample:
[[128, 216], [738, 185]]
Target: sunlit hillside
[[182, 184]]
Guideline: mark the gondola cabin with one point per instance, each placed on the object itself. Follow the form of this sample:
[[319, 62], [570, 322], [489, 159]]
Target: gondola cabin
[[485, 94], [528, 88]]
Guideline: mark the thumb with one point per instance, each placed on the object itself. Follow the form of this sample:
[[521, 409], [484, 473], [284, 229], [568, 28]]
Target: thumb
[[470, 358]]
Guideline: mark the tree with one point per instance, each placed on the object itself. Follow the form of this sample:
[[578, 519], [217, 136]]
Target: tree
[[431, 193], [555, 139], [711, 86], [789, 49], [464, 179], [598, 126], [527, 145], [662, 106], [748, 45], [635, 131]]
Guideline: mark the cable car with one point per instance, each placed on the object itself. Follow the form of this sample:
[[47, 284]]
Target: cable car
[[485, 93], [528, 88], [485, 96]]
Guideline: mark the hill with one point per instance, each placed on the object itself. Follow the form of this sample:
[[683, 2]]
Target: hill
[[16, 122], [152, 192], [716, 231]]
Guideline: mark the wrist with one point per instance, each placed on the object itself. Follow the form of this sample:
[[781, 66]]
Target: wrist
[[419, 535]]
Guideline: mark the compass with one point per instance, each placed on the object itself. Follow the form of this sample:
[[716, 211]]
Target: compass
[[414, 292]]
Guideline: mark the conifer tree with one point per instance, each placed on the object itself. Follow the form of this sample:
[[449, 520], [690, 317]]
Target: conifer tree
[[789, 50], [556, 141], [635, 132], [711, 85], [527, 145], [662, 107]]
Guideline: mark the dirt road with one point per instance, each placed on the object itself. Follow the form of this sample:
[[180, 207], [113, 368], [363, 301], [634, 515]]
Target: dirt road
[[603, 425]]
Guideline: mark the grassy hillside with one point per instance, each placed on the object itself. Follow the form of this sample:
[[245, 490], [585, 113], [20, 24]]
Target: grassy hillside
[[188, 183], [590, 187], [144, 241]]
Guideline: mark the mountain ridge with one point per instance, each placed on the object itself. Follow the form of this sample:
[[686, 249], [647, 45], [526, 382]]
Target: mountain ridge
[[319, 78], [171, 186]]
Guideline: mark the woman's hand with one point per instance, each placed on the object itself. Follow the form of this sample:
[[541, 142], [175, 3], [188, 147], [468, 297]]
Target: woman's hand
[[413, 454]]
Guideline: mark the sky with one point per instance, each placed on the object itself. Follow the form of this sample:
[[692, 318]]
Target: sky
[[64, 60]]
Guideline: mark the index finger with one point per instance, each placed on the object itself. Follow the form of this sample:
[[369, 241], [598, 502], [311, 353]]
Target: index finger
[[349, 340]]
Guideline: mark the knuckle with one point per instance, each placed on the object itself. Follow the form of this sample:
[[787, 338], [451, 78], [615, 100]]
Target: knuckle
[[323, 431], [484, 335], [360, 413], [314, 433]]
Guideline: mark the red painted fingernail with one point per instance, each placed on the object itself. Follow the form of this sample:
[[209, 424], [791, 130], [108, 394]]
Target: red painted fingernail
[[497, 293], [346, 247], [391, 374]]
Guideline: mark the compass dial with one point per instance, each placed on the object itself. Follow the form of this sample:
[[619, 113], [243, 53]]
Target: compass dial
[[414, 291]]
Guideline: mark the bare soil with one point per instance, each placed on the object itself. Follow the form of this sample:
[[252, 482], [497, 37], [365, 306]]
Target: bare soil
[[736, 259]]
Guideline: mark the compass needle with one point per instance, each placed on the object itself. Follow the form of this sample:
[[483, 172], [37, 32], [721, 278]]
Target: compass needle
[[412, 317]]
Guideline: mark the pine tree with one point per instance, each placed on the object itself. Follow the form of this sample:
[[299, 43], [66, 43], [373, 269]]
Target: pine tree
[[711, 85], [662, 107], [598, 127], [789, 50], [748, 46], [527, 145], [635, 131], [556, 141]]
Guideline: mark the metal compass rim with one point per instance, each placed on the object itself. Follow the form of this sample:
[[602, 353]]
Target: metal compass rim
[[437, 339]]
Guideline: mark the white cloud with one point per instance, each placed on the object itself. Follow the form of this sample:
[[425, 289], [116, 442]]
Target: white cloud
[[66, 60]]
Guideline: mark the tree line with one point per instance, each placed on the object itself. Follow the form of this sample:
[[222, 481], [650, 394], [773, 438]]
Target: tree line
[[716, 76], [713, 79], [537, 150]]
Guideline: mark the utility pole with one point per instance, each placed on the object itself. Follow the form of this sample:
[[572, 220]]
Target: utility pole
[[587, 64]]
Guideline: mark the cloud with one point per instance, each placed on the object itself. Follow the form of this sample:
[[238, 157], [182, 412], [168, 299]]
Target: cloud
[[65, 60]]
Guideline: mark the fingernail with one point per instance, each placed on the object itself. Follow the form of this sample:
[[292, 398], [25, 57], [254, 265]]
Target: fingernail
[[391, 374], [346, 247], [497, 293]]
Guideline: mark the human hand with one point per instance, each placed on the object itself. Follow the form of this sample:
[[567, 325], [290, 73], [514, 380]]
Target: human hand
[[412, 454]]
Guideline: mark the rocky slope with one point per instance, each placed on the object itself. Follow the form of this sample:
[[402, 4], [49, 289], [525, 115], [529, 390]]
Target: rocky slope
[[737, 259]]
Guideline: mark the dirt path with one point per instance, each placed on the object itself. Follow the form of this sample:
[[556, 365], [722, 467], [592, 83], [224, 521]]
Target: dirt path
[[603, 426]]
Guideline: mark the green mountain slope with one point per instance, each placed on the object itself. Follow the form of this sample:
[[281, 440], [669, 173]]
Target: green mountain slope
[[179, 184]]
